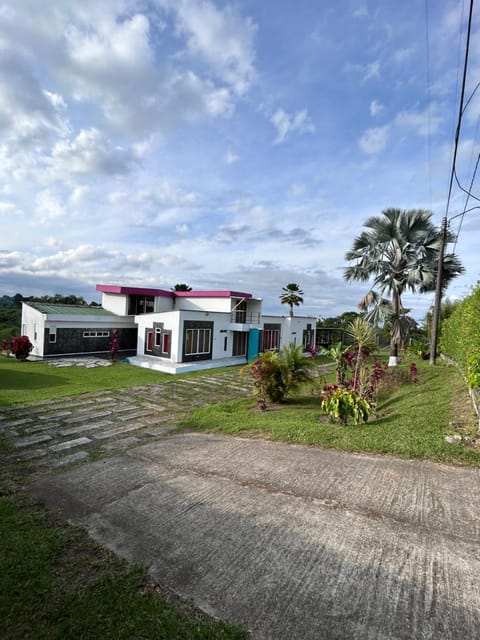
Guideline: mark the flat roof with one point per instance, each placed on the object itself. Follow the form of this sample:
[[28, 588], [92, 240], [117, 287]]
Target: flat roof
[[145, 291], [69, 309], [138, 291]]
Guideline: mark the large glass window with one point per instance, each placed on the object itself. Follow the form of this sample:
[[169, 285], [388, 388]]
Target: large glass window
[[197, 341], [271, 339], [140, 304]]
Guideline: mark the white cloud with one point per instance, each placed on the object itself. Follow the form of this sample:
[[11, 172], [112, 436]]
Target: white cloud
[[29, 115], [79, 194], [285, 123], [376, 108], [400, 56], [90, 152], [9, 209], [422, 122], [220, 37], [48, 206], [366, 71], [374, 140], [231, 157]]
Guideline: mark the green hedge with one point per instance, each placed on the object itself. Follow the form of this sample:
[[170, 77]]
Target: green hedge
[[460, 336]]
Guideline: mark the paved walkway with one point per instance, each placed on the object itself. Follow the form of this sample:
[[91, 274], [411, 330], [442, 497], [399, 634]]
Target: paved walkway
[[69, 430], [291, 542]]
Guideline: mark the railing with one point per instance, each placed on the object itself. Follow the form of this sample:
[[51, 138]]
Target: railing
[[246, 317]]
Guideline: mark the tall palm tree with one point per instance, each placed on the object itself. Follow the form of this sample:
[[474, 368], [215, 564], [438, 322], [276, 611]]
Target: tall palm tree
[[399, 251], [292, 295]]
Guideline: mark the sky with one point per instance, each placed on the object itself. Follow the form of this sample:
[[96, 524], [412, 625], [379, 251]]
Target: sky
[[228, 145]]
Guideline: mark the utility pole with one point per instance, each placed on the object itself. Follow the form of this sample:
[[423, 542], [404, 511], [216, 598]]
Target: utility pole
[[438, 293]]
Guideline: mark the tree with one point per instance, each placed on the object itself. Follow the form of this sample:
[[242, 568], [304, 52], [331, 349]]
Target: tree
[[399, 251], [292, 296], [182, 287]]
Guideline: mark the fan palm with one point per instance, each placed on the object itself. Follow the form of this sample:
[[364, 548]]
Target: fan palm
[[399, 251], [292, 295]]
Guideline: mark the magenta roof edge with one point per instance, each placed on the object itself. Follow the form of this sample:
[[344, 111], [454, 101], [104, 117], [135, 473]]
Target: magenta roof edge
[[113, 288]]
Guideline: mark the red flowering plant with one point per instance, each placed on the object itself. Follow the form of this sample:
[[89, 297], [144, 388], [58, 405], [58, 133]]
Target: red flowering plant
[[114, 345], [21, 347], [353, 397], [7, 346]]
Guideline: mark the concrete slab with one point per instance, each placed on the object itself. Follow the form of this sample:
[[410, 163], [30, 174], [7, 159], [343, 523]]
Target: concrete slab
[[291, 541]]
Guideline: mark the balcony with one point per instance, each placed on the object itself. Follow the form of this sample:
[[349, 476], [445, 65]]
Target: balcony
[[244, 320]]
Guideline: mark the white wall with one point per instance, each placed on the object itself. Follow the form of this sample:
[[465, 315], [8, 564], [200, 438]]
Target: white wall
[[204, 304], [33, 326], [292, 328], [173, 321], [116, 303]]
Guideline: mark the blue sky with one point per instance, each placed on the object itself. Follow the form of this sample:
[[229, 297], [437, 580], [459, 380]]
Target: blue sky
[[228, 145]]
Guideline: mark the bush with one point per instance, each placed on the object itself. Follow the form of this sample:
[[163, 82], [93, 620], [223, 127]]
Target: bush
[[345, 404], [275, 373], [21, 347], [460, 334]]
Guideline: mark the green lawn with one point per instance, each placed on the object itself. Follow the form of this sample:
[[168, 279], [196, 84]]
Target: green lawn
[[31, 381], [411, 421]]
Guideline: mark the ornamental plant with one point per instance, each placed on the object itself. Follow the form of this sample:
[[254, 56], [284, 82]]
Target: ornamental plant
[[114, 345], [7, 346], [344, 404], [21, 347], [275, 373]]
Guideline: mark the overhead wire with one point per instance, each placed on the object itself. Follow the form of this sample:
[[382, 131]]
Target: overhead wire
[[461, 109]]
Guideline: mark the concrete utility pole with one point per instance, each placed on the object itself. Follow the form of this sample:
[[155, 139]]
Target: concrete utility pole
[[438, 293]]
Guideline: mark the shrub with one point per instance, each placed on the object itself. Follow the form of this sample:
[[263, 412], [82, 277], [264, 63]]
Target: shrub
[[7, 346], [275, 373], [460, 333], [21, 347], [344, 404]]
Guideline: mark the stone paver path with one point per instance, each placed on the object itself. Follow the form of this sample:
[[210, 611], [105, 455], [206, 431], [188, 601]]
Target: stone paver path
[[54, 433]]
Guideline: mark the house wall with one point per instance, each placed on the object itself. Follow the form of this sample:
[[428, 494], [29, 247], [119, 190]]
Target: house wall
[[33, 326], [68, 332], [115, 303], [71, 340], [204, 304], [292, 328], [177, 322]]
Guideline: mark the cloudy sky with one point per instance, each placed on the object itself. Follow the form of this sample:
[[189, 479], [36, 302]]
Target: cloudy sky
[[229, 145]]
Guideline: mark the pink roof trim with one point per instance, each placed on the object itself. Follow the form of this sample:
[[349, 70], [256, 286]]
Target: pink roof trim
[[113, 288], [140, 291], [212, 294]]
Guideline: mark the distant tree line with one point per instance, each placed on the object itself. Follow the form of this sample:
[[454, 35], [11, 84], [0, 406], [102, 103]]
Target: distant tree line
[[11, 309]]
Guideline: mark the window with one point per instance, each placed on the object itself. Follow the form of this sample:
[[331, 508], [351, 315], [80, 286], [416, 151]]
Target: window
[[52, 337], [197, 341], [140, 304], [96, 334], [240, 342], [158, 337], [166, 343], [271, 339], [308, 337]]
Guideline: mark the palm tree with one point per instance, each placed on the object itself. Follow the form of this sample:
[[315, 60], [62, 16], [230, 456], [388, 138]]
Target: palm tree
[[400, 253], [292, 296]]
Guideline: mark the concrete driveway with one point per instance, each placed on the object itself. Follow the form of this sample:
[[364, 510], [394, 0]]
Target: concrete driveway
[[291, 541]]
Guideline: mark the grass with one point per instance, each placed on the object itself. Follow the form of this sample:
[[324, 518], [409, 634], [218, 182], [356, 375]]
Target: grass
[[411, 421], [56, 583], [32, 381]]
